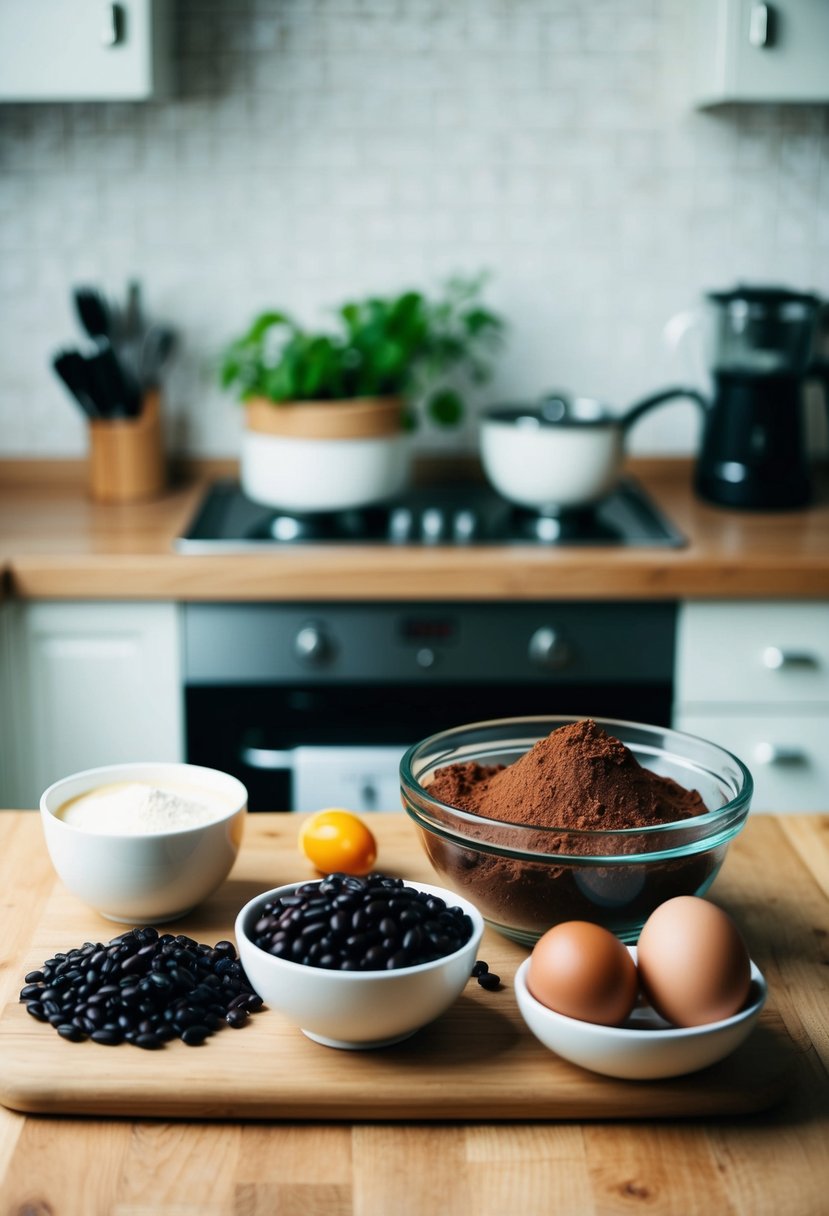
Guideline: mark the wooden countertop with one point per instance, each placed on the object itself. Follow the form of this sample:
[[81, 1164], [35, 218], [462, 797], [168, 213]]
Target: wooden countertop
[[776, 883], [56, 543]]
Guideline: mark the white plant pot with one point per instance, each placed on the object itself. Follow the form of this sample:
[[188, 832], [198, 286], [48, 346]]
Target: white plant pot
[[310, 457]]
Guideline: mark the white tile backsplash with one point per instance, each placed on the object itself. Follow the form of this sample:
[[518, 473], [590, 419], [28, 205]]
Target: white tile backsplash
[[318, 149]]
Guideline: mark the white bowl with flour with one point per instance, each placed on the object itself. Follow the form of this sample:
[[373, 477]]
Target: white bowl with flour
[[144, 843]]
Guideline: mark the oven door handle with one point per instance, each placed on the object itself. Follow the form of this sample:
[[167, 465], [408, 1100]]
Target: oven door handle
[[268, 758]]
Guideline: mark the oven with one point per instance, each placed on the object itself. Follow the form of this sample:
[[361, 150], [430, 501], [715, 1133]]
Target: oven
[[312, 705]]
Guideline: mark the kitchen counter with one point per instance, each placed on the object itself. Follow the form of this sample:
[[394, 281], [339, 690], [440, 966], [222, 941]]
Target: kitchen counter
[[776, 883], [56, 543]]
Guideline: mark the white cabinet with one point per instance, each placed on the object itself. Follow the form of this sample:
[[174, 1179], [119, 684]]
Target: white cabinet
[[84, 50], [91, 684], [755, 678], [743, 50]]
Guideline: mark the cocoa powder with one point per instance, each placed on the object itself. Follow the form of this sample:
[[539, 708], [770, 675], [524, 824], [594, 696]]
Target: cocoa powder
[[577, 777]]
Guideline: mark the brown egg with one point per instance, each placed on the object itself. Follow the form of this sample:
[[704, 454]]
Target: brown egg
[[584, 972], [693, 964]]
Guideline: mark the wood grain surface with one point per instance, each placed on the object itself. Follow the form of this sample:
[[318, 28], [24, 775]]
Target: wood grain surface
[[775, 881], [56, 543], [477, 1061]]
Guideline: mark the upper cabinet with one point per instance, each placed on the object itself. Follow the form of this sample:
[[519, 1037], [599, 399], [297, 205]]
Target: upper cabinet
[[84, 50], [742, 51]]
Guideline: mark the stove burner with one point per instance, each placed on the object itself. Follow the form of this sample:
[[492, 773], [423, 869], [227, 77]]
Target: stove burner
[[566, 526], [462, 514], [283, 527]]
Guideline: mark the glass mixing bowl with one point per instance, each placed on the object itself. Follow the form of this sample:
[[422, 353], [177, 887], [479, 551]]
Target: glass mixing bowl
[[524, 879]]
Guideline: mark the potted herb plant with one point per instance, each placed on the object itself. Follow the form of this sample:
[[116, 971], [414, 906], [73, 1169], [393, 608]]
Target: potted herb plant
[[328, 413]]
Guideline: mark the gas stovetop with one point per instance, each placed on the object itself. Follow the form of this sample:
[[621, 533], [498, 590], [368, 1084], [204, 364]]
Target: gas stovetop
[[458, 514]]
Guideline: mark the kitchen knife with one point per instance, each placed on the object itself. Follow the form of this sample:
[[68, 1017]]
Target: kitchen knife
[[156, 349], [70, 366], [93, 312], [114, 388]]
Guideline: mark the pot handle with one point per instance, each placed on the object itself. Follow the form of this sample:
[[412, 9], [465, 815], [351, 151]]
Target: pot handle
[[648, 403]]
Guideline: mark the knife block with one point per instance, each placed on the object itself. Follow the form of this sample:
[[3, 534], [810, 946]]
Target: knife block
[[126, 455]]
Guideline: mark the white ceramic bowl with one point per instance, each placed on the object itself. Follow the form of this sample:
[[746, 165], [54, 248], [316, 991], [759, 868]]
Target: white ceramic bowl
[[147, 878], [357, 1009], [646, 1047]]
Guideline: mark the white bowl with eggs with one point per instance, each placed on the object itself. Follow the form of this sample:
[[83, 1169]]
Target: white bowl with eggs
[[144, 843], [645, 1047]]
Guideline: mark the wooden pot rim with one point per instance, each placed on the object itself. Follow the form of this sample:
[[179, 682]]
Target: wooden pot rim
[[356, 418]]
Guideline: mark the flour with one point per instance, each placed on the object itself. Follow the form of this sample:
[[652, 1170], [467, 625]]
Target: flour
[[139, 809]]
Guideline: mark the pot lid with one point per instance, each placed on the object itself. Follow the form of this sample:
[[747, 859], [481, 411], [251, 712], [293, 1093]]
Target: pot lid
[[553, 410], [769, 296]]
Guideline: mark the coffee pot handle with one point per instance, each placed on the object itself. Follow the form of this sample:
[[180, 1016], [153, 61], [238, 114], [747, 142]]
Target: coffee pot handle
[[684, 337]]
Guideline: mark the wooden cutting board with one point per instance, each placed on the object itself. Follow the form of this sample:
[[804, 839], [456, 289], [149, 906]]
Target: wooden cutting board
[[478, 1061]]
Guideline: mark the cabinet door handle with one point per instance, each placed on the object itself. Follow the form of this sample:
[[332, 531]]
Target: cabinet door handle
[[112, 25], [779, 754], [268, 758], [758, 26], [776, 659]]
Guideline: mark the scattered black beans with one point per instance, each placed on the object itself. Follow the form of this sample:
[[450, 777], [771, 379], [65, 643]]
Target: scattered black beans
[[141, 988], [345, 923]]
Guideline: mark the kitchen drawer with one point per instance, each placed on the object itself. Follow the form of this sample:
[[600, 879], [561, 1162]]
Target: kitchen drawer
[[787, 755], [758, 652]]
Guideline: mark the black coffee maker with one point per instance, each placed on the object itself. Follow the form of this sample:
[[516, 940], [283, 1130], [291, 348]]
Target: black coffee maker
[[753, 452]]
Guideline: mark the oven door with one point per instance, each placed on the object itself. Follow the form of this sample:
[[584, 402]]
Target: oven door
[[306, 747], [312, 705], [356, 778]]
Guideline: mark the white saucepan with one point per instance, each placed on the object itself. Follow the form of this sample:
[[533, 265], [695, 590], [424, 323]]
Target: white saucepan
[[562, 453]]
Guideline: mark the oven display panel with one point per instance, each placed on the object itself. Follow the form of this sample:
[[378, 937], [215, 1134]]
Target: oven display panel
[[429, 630]]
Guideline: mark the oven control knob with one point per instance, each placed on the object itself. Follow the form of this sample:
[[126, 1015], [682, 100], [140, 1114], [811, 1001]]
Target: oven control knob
[[313, 646], [547, 648]]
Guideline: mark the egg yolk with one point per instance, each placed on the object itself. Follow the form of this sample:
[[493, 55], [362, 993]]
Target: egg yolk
[[335, 840]]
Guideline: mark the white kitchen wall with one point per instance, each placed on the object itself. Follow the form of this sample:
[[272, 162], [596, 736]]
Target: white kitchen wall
[[322, 148]]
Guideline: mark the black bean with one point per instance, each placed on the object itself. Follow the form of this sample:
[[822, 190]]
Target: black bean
[[412, 939], [148, 1041], [30, 991], [109, 1037], [194, 1036], [479, 967], [490, 981], [73, 1033], [34, 977], [134, 965], [37, 1011], [236, 1017]]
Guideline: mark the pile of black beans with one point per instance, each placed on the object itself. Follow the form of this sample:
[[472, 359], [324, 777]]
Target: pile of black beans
[[141, 988], [344, 923]]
